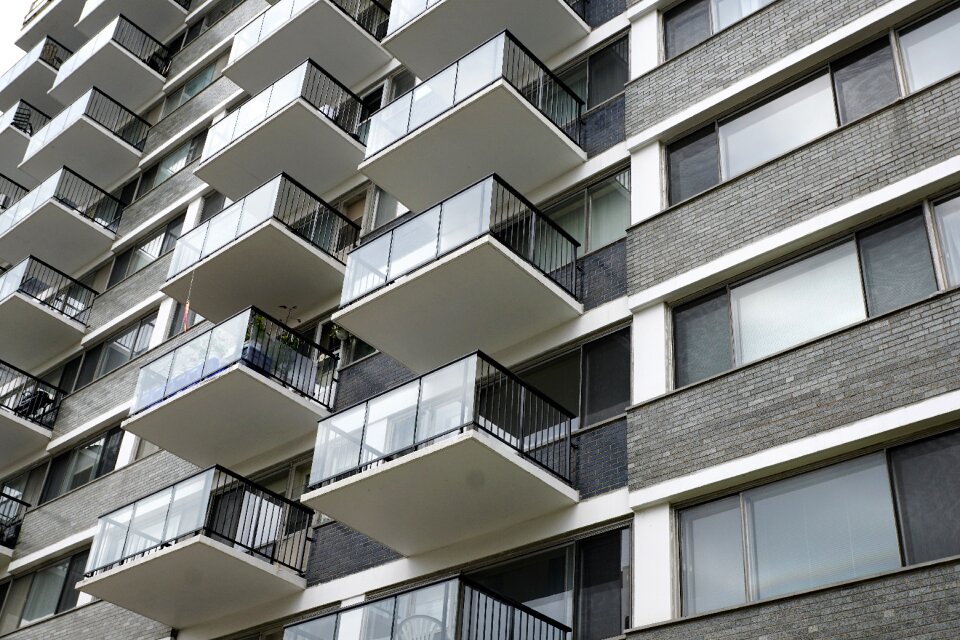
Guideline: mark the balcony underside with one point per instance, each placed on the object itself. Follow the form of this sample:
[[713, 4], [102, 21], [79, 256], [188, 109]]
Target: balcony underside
[[322, 32], [462, 487], [268, 267], [495, 131], [19, 438], [6, 555], [452, 28], [32, 85], [58, 235], [228, 419], [481, 296], [193, 581], [13, 144], [57, 20], [117, 73], [33, 333], [87, 148], [160, 17], [298, 140]]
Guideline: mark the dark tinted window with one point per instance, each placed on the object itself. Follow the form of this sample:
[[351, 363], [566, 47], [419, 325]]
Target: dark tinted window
[[686, 26], [606, 377], [693, 164], [609, 72], [897, 266], [865, 81], [602, 570], [83, 464], [701, 336]]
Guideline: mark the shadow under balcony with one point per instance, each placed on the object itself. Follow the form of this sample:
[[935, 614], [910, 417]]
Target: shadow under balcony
[[305, 125], [280, 246], [483, 269], [96, 135], [163, 17], [426, 34], [55, 18], [43, 312], [497, 110], [28, 409], [292, 31], [248, 386], [67, 220], [464, 451], [122, 60], [33, 75], [207, 547], [11, 517], [17, 125]]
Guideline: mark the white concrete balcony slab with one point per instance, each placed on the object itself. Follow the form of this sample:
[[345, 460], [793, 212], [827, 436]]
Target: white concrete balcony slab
[[343, 34], [279, 246], [54, 18], [67, 220], [246, 387], [464, 451], [28, 409], [17, 125], [207, 547], [96, 136], [304, 125], [491, 270], [162, 17], [32, 76], [427, 34]]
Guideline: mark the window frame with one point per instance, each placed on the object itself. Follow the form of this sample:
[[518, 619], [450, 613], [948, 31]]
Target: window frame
[[64, 560], [583, 191], [113, 434], [712, 23], [165, 233], [584, 60]]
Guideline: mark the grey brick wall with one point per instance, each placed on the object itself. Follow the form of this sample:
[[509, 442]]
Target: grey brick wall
[[221, 30], [78, 510], [130, 292], [339, 551], [897, 142], [368, 378], [175, 122], [97, 621], [747, 46], [877, 366], [152, 202], [601, 11], [601, 459], [603, 127], [604, 275], [921, 603]]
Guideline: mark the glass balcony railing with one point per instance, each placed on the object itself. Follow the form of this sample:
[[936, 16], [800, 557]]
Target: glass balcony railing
[[72, 191], [103, 110], [10, 192], [402, 12], [456, 609], [370, 15], [253, 338], [48, 50], [24, 117], [28, 397], [489, 207], [11, 517], [309, 82], [502, 58], [215, 503], [51, 287], [472, 393], [283, 199], [128, 36]]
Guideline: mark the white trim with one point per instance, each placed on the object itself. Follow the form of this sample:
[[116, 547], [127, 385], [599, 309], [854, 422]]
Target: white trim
[[148, 225], [118, 321], [653, 566], [596, 36], [72, 437], [64, 546], [650, 355]]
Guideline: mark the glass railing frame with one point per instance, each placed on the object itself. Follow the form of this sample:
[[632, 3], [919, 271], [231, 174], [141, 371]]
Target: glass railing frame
[[35, 54], [10, 530], [80, 316], [577, 6], [48, 417], [115, 28], [4, 182], [24, 111]]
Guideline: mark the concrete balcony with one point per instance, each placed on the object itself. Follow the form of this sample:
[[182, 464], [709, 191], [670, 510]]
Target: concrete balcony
[[292, 31], [209, 546], [67, 220], [17, 126], [464, 451], [279, 246], [122, 60], [497, 110], [43, 312], [489, 267], [33, 75], [11, 517], [54, 18], [28, 409], [246, 387], [10, 192], [426, 34], [96, 135], [304, 125], [162, 17]]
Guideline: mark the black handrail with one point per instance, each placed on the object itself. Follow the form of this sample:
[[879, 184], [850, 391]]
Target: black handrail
[[11, 517], [29, 397], [28, 119], [117, 119], [371, 15], [320, 94], [54, 53], [53, 288], [12, 190], [89, 200], [142, 45]]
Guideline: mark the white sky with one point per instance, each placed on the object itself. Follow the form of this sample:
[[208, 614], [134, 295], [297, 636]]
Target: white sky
[[11, 17]]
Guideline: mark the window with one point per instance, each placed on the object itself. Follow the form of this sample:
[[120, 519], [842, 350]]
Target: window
[[82, 464], [692, 22], [191, 87], [213, 204], [865, 81], [948, 222], [43, 593], [290, 481], [701, 335], [347, 347], [387, 208], [693, 164], [602, 75], [177, 324], [596, 216], [171, 164], [931, 50], [201, 26], [146, 251]]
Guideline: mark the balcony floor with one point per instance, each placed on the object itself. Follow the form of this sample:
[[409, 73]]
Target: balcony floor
[[465, 486], [114, 71], [33, 333], [193, 581], [13, 144], [32, 85], [19, 438]]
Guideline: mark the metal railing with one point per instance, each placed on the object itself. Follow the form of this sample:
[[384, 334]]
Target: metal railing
[[253, 338], [24, 117], [455, 609], [47, 50], [126, 35], [282, 199], [215, 503], [403, 12], [11, 517], [103, 110], [502, 58], [472, 393], [308, 82], [28, 397], [488, 207], [10, 192], [50, 287], [72, 191]]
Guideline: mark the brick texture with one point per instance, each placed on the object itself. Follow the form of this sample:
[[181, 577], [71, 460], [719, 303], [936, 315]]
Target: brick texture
[[220, 31], [156, 199], [175, 122], [603, 127], [895, 360], [601, 459], [600, 11], [897, 142], [97, 621], [339, 551], [130, 292], [369, 377], [604, 275]]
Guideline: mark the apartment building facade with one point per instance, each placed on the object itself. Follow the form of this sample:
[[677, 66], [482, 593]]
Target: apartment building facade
[[504, 320]]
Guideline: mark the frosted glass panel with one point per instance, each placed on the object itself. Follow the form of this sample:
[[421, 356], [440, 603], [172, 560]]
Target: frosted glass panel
[[726, 12], [948, 221], [796, 303], [711, 539], [931, 51]]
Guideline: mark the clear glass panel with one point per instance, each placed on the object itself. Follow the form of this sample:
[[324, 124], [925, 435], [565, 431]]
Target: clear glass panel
[[701, 338], [258, 207], [146, 526], [931, 51], [686, 26], [711, 555], [414, 243], [12, 279], [432, 97], [726, 12], [543, 582], [403, 11], [44, 592], [366, 268], [252, 113], [866, 81], [609, 210], [320, 629], [391, 421], [479, 69], [897, 265], [427, 614], [465, 216], [948, 223], [109, 539], [571, 216], [220, 134], [188, 363], [693, 164], [823, 527], [226, 344], [389, 124], [286, 90], [372, 622], [796, 303], [446, 400], [188, 507], [152, 382], [221, 230], [249, 36], [188, 249], [339, 440], [782, 124]]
